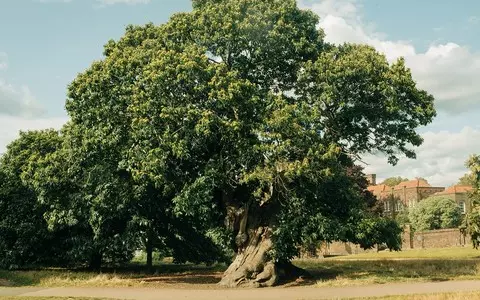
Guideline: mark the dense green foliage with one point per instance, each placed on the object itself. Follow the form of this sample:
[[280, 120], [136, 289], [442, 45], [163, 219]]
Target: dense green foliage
[[393, 181], [466, 179], [24, 234], [235, 114], [473, 217], [435, 213]]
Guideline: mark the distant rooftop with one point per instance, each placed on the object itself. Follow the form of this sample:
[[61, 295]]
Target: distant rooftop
[[378, 188], [456, 189], [413, 184]]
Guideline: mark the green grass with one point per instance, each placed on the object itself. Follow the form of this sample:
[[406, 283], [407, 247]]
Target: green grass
[[446, 296], [457, 263], [362, 272], [443, 253], [132, 276], [368, 268], [50, 298]]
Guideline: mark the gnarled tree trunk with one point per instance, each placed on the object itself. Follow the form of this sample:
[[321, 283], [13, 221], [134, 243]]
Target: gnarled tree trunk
[[253, 267]]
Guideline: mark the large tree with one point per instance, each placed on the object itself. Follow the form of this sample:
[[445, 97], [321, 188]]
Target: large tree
[[240, 111]]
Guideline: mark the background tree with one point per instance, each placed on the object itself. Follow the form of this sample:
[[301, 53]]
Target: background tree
[[393, 181], [435, 213], [87, 183], [466, 179], [24, 235], [473, 217]]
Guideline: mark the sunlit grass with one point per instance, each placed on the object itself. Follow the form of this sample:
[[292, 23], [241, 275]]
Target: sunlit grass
[[444, 253], [166, 274], [50, 298], [362, 269], [362, 272], [446, 296]]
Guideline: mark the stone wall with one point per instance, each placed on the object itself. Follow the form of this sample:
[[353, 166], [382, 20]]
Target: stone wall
[[442, 238], [439, 239]]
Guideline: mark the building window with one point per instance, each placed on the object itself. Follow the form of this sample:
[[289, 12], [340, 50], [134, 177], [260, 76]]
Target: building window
[[398, 206], [462, 206], [386, 205]]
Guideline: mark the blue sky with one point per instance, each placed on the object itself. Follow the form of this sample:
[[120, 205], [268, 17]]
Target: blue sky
[[45, 43]]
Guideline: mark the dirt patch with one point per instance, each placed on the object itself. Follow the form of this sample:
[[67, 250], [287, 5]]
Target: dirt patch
[[4, 282], [198, 281]]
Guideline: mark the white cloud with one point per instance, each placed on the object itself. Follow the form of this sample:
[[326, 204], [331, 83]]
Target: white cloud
[[18, 101], [10, 127], [3, 61], [129, 2], [448, 71], [441, 158]]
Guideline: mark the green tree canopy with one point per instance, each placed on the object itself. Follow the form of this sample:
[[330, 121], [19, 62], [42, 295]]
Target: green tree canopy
[[24, 235], [473, 217], [236, 114], [466, 179], [393, 181], [435, 213]]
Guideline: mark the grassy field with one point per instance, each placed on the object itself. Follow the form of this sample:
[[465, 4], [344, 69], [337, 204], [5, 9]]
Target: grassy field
[[448, 296], [361, 272], [50, 298], [443, 253], [368, 268], [165, 275]]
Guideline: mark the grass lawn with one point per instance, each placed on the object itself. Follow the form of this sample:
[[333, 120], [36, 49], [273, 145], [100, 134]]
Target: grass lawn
[[361, 272], [448, 296], [50, 298], [368, 268], [443, 253], [166, 275]]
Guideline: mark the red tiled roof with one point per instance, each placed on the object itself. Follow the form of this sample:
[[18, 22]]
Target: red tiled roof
[[412, 184], [378, 188], [457, 189]]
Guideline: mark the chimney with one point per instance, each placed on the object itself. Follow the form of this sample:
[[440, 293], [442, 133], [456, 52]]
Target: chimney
[[372, 179]]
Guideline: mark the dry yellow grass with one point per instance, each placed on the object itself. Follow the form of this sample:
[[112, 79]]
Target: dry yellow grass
[[49, 298], [443, 253], [362, 272], [448, 296], [370, 268]]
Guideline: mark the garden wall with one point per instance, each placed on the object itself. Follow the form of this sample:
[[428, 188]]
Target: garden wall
[[443, 238]]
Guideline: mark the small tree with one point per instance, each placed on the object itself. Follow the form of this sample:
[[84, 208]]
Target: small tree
[[466, 179], [435, 213], [473, 217], [393, 181]]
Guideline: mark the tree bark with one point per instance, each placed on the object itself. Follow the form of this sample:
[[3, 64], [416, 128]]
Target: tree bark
[[95, 262], [253, 266], [149, 250]]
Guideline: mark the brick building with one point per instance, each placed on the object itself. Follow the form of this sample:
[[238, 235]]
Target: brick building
[[459, 194], [405, 194]]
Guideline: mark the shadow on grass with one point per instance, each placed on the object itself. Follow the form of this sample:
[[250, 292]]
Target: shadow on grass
[[129, 275], [332, 272], [322, 271]]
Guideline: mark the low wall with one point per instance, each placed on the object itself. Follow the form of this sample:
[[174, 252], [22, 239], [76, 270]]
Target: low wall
[[443, 238]]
